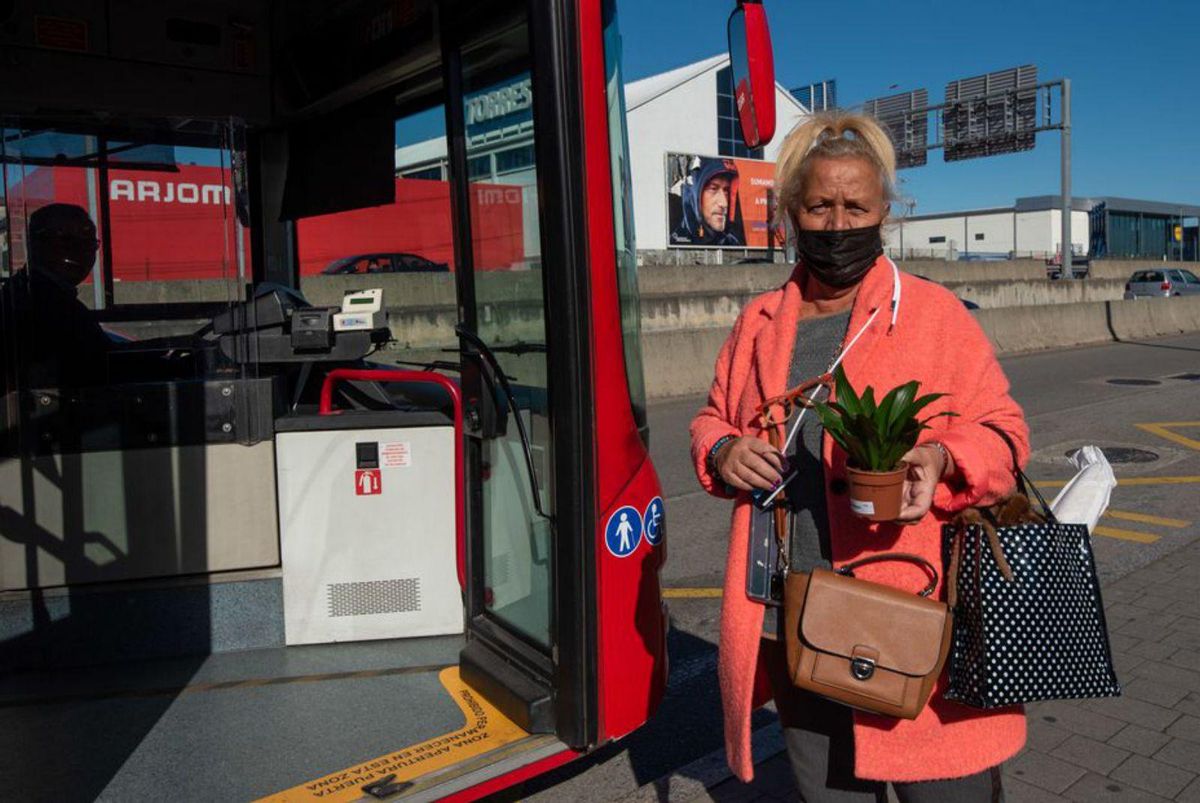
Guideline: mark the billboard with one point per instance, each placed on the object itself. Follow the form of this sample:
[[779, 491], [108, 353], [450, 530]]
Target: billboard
[[909, 132], [720, 202], [180, 224], [991, 114]]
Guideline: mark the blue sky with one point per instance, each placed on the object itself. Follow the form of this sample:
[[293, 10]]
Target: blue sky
[[1134, 70]]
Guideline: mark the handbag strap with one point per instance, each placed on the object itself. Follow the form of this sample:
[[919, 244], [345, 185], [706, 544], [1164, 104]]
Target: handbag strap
[[903, 557], [1024, 484]]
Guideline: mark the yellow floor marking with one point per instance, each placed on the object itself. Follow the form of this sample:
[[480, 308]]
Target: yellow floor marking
[[1128, 481], [1145, 519], [691, 593], [484, 730], [1163, 430], [1125, 535]]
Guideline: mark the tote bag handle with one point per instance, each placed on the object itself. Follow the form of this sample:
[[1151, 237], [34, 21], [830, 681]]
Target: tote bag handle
[[1024, 484]]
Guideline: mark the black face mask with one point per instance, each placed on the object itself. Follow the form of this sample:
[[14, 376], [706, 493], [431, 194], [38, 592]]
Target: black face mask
[[839, 258]]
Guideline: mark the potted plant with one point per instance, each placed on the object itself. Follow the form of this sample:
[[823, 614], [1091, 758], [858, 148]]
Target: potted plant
[[876, 436]]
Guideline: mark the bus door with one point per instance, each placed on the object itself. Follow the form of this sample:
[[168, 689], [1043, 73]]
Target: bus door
[[475, 152], [527, 645]]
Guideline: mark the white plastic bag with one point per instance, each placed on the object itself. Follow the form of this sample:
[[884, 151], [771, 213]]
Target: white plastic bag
[[1085, 497]]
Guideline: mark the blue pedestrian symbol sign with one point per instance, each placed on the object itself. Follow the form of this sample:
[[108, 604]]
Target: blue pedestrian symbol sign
[[654, 521], [623, 532]]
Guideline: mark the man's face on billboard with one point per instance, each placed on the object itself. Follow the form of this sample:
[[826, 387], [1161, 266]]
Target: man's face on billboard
[[714, 203]]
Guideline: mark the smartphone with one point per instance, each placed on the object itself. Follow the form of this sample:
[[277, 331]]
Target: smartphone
[[762, 557], [767, 500]]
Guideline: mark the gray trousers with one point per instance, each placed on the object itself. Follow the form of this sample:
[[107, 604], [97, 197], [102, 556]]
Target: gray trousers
[[819, 737]]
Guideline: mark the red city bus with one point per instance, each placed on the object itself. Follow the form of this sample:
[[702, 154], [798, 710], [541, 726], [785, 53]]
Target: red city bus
[[272, 532]]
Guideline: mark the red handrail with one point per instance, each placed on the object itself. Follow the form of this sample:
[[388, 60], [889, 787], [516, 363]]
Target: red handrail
[[427, 377]]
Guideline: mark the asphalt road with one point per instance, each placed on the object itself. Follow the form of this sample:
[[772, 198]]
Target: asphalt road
[[1069, 400]]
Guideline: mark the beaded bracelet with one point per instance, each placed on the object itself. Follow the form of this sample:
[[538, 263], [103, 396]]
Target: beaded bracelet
[[712, 453]]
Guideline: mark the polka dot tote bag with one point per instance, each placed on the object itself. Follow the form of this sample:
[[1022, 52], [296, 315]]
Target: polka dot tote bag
[[1028, 618]]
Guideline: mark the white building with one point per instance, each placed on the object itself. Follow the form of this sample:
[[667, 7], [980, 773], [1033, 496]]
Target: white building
[[681, 112], [1032, 227]]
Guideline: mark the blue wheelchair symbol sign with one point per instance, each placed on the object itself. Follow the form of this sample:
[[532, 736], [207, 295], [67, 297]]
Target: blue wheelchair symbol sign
[[654, 520], [623, 532]]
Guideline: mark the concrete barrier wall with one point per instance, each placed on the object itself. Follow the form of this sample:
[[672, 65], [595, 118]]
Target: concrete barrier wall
[[687, 311], [1037, 293], [1017, 329], [945, 272], [1155, 317], [681, 362], [1122, 269]]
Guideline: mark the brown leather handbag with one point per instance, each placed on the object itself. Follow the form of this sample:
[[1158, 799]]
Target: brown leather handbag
[[866, 645]]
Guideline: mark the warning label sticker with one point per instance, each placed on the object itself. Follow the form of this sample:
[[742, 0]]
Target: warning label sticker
[[396, 454], [484, 730]]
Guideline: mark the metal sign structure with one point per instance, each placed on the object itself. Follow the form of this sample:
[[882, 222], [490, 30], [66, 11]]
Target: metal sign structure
[[818, 96], [909, 131], [988, 115]]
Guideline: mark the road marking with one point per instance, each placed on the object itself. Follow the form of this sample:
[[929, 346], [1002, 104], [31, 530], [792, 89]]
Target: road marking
[[691, 593], [1129, 481], [485, 729], [1145, 519], [1163, 430], [1124, 535]]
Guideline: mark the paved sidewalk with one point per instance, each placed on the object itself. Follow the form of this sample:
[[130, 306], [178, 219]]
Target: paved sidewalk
[[1143, 746]]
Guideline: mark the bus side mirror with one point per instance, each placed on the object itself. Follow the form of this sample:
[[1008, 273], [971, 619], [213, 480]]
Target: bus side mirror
[[753, 69]]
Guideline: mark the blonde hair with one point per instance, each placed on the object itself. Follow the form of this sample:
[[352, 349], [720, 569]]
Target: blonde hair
[[830, 135]]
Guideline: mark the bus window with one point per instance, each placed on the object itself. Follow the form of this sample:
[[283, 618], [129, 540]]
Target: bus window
[[405, 248], [164, 207], [134, 447], [103, 230], [510, 317], [627, 279]]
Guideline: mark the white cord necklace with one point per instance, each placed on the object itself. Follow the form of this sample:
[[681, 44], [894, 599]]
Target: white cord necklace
[[838, 361]]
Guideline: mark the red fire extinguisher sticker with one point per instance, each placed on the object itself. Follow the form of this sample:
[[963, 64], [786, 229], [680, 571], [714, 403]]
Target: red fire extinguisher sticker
[[368, 482]]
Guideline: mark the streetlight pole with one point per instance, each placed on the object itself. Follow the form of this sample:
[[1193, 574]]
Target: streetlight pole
[[1068, 269]]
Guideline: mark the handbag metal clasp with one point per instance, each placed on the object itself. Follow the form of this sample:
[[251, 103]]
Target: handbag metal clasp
[[862, 668]]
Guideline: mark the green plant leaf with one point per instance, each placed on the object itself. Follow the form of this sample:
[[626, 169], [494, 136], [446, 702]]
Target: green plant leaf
[[885, 411], [875, 436], [943, 414], [867, 402], [833, 422], [920, 404], [844, 392], [900, 406]]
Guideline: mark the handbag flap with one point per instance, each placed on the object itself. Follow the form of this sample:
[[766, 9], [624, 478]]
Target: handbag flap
[[843, 613]]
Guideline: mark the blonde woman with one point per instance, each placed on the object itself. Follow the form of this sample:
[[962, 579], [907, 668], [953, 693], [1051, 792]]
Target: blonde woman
[[846, 301]]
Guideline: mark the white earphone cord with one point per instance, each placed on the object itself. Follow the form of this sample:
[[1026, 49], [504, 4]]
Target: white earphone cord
[[838, 360]]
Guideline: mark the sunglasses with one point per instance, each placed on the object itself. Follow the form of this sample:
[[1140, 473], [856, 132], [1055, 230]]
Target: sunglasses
[[775, 412]]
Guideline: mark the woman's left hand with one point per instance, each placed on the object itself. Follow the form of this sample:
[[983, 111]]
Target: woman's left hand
[[926, 465]]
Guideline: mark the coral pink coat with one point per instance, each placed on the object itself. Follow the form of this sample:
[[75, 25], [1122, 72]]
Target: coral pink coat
[[937, 342]]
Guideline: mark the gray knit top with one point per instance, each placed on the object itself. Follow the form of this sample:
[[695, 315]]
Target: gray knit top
[[817, 343]]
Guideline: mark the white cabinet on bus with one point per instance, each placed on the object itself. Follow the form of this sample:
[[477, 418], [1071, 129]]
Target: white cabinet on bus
[[367, 529]]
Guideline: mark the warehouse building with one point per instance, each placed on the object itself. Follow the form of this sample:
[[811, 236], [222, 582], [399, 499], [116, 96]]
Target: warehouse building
[[1104, 227], [1032, 227]]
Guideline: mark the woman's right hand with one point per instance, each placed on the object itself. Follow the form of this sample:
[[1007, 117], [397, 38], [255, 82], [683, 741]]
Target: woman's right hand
[[747, 463]]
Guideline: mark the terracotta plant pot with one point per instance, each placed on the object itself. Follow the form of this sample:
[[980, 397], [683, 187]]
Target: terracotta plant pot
[[877, 495]]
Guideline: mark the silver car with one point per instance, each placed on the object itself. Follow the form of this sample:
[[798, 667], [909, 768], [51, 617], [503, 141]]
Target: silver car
[[1162, 282]]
